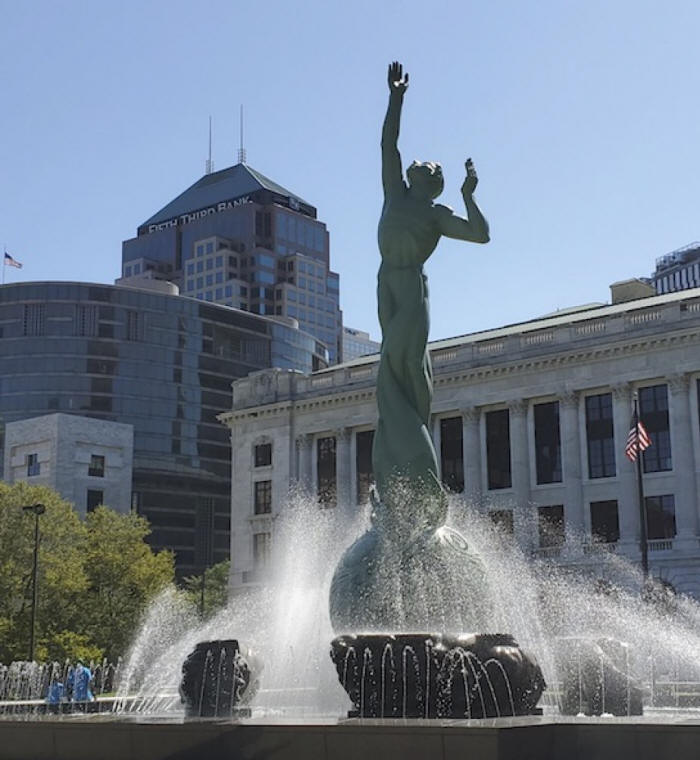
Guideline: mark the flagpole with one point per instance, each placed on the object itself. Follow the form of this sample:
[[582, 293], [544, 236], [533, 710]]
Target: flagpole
[[4, 249], [643, 542]]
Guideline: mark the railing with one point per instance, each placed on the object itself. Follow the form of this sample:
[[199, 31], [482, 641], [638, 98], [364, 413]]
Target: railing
[[660, 545], [549, 552], [445, 356], [589, 328], [535, 339], [600, 546], [492, 347], [642, 317]]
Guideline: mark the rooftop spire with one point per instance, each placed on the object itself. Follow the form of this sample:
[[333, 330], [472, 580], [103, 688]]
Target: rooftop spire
[[241, 149], [209, 167]]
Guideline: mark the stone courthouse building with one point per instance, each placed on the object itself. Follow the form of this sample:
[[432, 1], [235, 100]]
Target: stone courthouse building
[[529, 422]]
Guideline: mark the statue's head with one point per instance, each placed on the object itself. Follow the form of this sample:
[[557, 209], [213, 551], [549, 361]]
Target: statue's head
[[425, 179]]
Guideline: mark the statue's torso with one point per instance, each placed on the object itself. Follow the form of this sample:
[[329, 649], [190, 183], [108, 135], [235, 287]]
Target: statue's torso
[[408, 232]]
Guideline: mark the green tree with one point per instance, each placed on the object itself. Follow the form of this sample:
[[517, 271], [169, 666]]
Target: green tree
[[123, 575], [215, 588], [95, 577], [61, 577]]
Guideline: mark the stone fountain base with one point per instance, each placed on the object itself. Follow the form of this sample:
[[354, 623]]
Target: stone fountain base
[[437, 675], [218, 680]]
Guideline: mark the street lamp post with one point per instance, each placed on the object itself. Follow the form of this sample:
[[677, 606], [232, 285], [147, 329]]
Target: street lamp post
[[36, 510]]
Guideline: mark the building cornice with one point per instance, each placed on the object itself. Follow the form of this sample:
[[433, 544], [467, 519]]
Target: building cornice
[[452, 375]]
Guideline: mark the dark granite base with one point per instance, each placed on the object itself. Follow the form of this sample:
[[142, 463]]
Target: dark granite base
[[499, 739], [420, 675]]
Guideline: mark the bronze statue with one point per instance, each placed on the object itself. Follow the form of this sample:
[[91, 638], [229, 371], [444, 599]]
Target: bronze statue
[[381, 579]]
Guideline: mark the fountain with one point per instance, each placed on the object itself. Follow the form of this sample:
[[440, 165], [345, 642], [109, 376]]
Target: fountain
[[416, 615]]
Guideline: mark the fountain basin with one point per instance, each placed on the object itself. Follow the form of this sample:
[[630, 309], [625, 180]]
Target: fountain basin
[[420, 675]]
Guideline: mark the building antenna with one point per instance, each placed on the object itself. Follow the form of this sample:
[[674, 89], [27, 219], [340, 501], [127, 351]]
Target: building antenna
[[241, 149], [210, 164]]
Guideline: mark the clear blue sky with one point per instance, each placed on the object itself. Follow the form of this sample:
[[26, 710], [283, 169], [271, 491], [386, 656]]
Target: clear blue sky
[[582, 119]]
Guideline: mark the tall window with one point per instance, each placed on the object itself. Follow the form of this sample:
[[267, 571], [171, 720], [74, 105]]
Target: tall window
[[33, 465], [550, 525], [325, 459], [85, 320], [605, 524], [33, 323], [97, 466], [261, 549], [451, 454], [498, 449], [363, 464], [263, 497], [600, 436], [204, 533], [133, 325], [263, 455], [661, 516], [547, 442], [653, 411], [94, 499]]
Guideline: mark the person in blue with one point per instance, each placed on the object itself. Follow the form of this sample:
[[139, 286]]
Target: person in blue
[[79, 683], [54, 697]]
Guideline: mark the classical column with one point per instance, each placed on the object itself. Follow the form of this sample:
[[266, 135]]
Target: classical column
[[342, 466], [574, 518], [524, 519], [471, 456], [437, 440], [627, 496], [683, 463], [304, 445], [353, 473]]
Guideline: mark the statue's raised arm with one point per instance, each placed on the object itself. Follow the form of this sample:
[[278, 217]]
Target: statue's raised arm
[[392, 173]]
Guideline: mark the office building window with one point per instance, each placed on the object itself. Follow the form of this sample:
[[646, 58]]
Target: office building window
[[326, 470], [550, 523], [451, 454], [503, 520], [33, 323], [85, 320], [363, 464], [261, 549], [605, 523], [263, 497], [600, 436], [653, 411], [498, 449], [263, 455], [661, 516], [97, 466], [94, 499], [547, 442], [133, 325], [33, 465]]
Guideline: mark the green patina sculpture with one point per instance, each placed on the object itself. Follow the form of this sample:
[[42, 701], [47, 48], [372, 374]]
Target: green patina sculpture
[[382, 580]]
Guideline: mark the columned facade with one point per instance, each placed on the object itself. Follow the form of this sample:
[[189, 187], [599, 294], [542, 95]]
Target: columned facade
[[529, 424]]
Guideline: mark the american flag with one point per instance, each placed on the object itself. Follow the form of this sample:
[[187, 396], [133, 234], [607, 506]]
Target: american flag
[[10, 262], [637, 439]]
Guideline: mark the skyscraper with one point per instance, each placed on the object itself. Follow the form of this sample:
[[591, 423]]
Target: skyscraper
[[237, 238]]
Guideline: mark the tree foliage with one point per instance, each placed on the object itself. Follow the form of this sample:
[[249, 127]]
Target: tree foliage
[[94, 577], [214, 588]]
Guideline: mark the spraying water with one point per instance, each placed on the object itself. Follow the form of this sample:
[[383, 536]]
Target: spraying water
[[287, 623]]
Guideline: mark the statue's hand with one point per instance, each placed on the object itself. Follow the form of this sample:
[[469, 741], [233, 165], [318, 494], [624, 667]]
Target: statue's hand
[[397, 81], [471, 180]]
